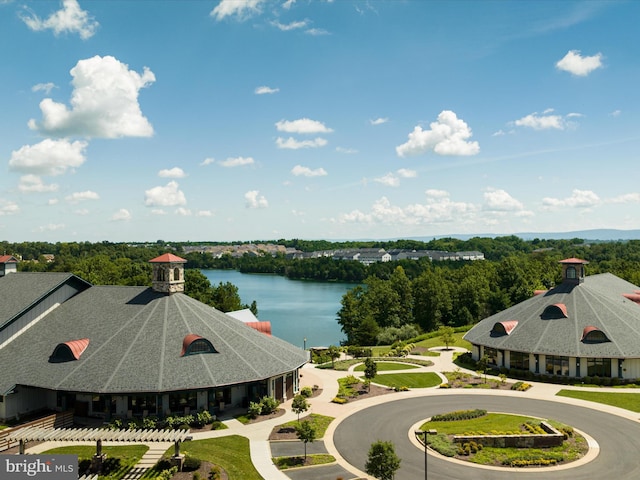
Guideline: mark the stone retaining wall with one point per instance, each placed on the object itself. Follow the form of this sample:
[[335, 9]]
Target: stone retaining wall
[[552, 438]]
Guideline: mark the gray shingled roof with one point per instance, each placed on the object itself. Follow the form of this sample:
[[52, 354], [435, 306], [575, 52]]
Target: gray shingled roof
[[598, 302], [19, 291], [135, 340]]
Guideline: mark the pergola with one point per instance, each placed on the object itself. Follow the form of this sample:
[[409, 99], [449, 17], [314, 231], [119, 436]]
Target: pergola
[[98, 435]]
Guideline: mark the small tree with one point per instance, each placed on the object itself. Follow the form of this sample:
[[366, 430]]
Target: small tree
[[299, 405], [334, 353], [382, 461], [370, 370], [481, 365], [306, 433], [446, 334]]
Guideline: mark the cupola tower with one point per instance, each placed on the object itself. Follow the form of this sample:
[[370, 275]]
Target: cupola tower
[[168, 273]]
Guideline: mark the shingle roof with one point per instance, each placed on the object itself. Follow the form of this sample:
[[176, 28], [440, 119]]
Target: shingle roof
[[19, 291], [599, 302], [136, 336], [168, 258]]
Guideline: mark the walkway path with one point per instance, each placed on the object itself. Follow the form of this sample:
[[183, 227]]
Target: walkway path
[[326, 380]]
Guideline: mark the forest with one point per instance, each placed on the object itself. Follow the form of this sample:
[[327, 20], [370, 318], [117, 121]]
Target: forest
[[390, 301]]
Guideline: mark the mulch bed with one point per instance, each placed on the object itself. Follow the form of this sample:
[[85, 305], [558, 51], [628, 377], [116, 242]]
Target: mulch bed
[[205, 468]]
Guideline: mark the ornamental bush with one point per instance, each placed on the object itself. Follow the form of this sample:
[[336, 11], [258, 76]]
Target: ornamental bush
[[459, 415]]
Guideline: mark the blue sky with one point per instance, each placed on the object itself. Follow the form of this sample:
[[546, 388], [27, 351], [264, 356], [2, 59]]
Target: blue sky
[[259, 119]]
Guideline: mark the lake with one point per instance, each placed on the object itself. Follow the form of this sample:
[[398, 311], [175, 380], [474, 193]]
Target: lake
[[296, 309]]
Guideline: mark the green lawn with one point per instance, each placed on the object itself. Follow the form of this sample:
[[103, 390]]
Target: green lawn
[[409, 380], [490, 422], [230, 453], [320, 422], [387, 366], [628, 401], [120, 458]]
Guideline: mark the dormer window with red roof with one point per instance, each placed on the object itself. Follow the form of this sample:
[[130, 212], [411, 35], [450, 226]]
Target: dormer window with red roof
[[555, 311], [195, 344], [69, 351], [593, 335], [503, 328]]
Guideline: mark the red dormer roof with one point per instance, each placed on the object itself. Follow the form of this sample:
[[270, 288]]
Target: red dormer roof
[[77, 347], [188, 340], [263, 327], [8, 259], [168, 258], [574, 261], [634, 297]]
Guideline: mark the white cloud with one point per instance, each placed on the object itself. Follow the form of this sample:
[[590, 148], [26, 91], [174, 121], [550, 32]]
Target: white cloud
[[500, 200], [43, 87], [70, 19], [578, 199], [616, 113], [81, 196], [288, 4], [185, 212], [438, 208], [542, 122], [240, 8], [33, 183], [8, 208], [389, 180], [290, 26], [49, 157], [53, 201], [625, 198], [122, 215], [348, 151], [378, 121], [406, 173], [82, 212], [175, 172], [168, 196], [447, 136], [299, 170], [207, 161], [104, 102], [236, 162], [51, 227], [293, 144], [204, 213], [316, 32], [302, 125], [576, 64], [158, 211], [253, 199], [263, 90]]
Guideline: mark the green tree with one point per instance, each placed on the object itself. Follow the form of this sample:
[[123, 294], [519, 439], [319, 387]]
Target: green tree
[[299, 405], [482, 364], [306, 433], [446, 334], [370, 371], [334, 353], [382, 462]]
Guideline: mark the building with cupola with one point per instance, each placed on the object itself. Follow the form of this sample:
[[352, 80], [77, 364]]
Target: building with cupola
[[586, 326], [126, 351]]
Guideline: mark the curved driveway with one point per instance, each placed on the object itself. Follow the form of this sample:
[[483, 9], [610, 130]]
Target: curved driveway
[[391, 421]]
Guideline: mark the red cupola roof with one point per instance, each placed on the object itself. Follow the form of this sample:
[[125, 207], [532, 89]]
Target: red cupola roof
[[168, 258]]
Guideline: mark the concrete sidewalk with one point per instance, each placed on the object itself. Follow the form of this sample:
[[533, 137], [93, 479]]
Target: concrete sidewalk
[[327, 381]]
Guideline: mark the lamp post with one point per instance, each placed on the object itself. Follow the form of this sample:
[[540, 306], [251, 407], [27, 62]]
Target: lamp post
[[424, 434], [305, 343]]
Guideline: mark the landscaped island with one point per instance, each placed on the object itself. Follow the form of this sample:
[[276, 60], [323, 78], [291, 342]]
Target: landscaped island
[[505, 440]]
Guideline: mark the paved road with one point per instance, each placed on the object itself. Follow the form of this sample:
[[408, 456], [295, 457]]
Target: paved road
[[391, 421]]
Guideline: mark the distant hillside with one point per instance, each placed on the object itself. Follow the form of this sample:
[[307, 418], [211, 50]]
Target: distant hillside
[[601, 234]]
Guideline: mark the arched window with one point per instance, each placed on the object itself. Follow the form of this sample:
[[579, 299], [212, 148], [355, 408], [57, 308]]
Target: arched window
[[594, 335], [571, 272], [69, 351], [503, 328], [555, 311], [195, 344], [176, 274], [160, 274]]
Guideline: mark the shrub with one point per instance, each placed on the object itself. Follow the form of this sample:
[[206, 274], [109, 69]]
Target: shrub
[[521, 386], [254, 409], [191, 463], [204, 417], [217, 425], [444, 385], [352, 380], [441, 444], [196, 475], [215, 473], [339, 400], [167, 474], [459, 415], [149, 422], [306, 392], [269, 405]]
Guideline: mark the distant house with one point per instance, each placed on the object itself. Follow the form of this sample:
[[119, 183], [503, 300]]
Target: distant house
[[121, 351], [585, 326], [473, 255]]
